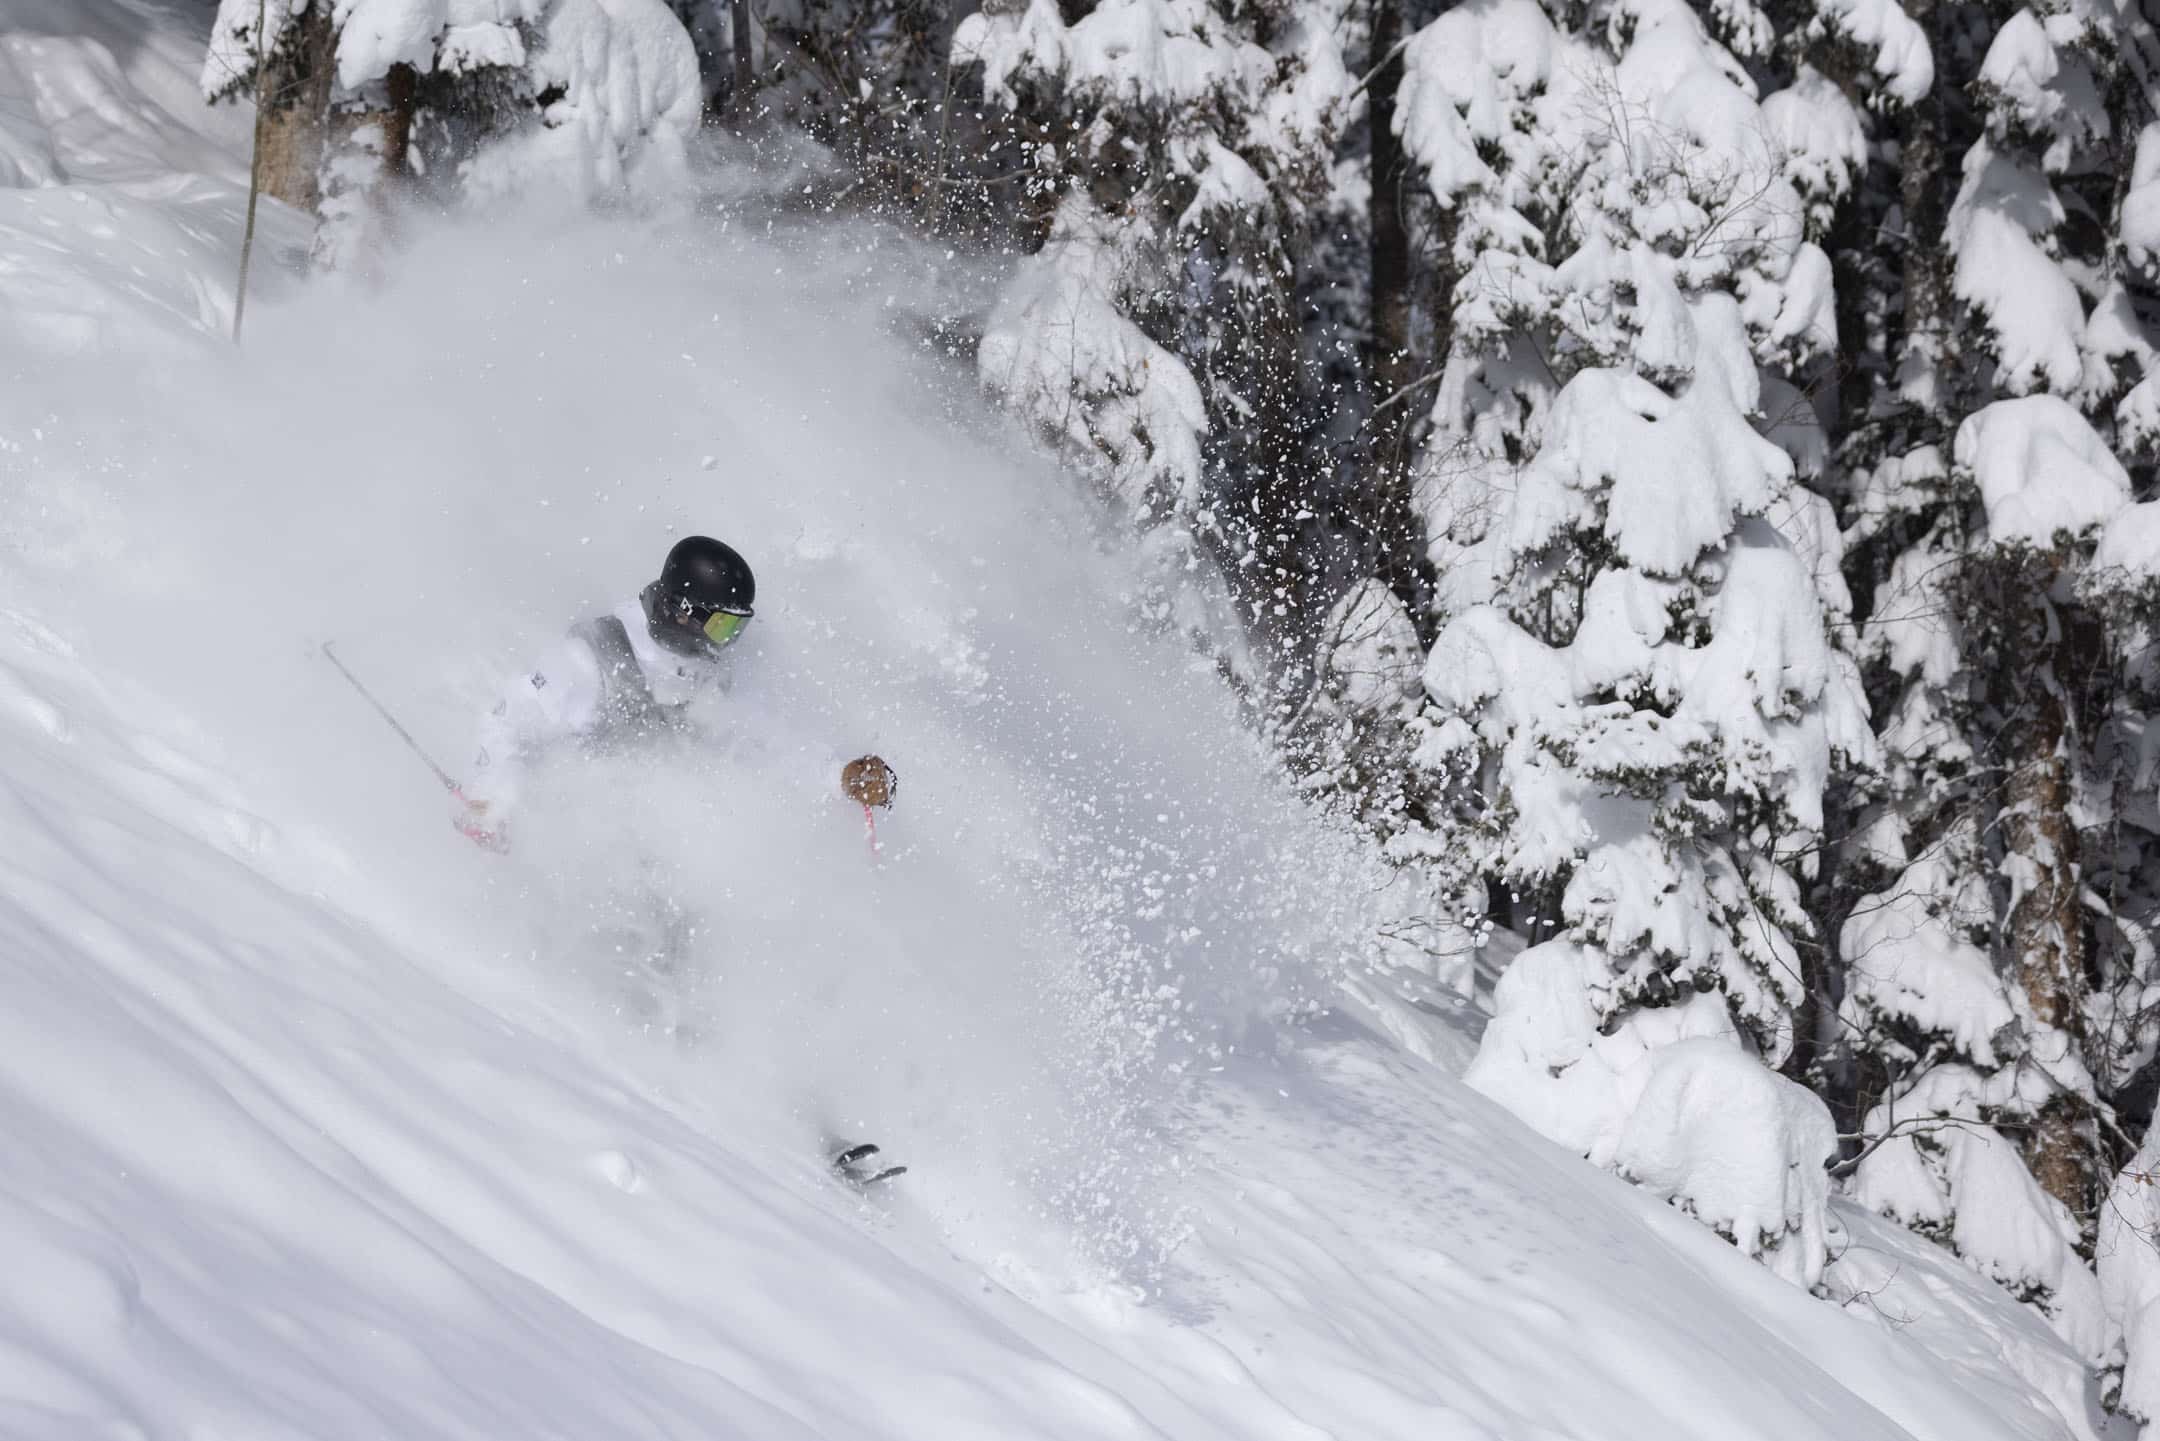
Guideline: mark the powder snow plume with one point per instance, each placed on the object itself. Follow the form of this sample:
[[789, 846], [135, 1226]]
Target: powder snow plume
[[1094, 879]]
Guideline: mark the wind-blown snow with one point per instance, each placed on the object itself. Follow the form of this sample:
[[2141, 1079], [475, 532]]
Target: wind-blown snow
[[325, 1123], [1058, 330]]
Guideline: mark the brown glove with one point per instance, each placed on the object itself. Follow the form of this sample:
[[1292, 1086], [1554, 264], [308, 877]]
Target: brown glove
[[869, 781]]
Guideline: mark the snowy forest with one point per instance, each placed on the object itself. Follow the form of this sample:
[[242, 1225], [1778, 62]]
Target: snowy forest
[[1678, 483], [1676, 473]]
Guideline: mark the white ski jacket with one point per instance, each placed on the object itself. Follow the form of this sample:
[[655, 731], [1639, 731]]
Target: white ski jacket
[[569, 696]]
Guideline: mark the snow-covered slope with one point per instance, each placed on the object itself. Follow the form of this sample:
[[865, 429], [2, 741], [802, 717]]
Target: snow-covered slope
[[320, 1123], [120, 193]]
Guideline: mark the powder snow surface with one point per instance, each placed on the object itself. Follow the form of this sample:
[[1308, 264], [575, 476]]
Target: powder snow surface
[[322, 1123]]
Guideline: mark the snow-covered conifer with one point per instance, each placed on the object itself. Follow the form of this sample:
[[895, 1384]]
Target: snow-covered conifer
[[2000, 984], [1635, 656], [1998, 971]]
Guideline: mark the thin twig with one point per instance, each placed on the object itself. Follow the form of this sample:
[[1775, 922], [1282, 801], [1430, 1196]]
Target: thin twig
[[1386, 60], [1407, 391]]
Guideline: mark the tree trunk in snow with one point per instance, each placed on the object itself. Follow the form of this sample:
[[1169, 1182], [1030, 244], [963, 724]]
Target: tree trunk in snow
[[296, 109], [2043, 934], [402, 85], [1390, 363], [1922, 194]]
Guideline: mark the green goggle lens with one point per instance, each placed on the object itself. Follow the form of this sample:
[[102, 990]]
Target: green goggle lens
[[723, 626]]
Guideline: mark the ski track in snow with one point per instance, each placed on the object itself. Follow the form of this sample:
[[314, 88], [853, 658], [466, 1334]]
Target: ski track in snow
[[320, 1123]]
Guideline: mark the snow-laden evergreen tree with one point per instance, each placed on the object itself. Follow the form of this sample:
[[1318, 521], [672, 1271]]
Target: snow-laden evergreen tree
[[2122, 858], [1178, 146], [1655, 707], [1998, 967], [1985, 1128], [363, 94], [1635, 657]]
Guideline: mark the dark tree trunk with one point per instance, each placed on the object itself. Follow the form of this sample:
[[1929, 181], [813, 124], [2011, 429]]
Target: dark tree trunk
[[745, 72], [403, 87], [1389, 359], [1396, 537], [1923, 194], [2043, 936], [2043, 932]]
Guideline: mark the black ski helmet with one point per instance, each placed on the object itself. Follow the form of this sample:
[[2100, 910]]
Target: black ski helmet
[[700, 576], [705, 575]]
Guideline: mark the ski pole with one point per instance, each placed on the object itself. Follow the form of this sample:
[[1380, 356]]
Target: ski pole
[[384, 711]]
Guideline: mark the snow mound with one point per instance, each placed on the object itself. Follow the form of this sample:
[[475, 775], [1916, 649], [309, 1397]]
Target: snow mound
[[2042, 470], [1910, 964], [1668, 1098], [1999, 226], [2141, 206], [1902, 58], [1740, 1147]]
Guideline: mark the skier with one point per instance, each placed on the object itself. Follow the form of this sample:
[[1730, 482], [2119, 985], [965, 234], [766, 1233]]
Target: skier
[[628, 677], [616, 679]]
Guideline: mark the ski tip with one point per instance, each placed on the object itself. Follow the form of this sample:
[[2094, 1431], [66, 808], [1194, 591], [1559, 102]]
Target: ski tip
[[863, 1182]]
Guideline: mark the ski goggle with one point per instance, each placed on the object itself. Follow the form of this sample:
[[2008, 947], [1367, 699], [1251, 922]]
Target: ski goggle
[[722, 626]]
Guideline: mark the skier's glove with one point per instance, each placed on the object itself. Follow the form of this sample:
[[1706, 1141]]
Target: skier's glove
[[868, 781], [471, 819]]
